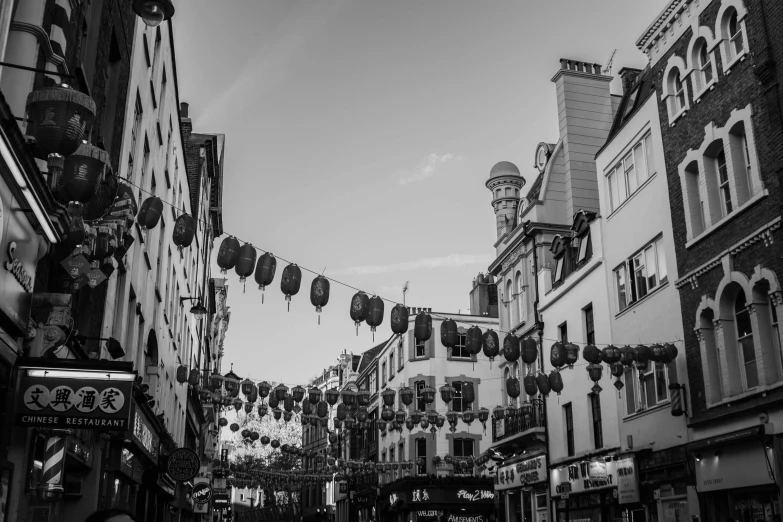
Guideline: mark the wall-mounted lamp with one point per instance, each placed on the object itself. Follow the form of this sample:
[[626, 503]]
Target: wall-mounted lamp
[[198, 310], [698, 457], [718, 453], [153, 12]]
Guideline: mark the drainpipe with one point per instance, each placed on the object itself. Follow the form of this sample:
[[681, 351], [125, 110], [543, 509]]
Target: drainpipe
[[540, 328]]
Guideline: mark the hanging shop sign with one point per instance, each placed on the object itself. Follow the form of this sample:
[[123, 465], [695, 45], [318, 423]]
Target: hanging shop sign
[[183, 464], [202, 491], [220, 501], [582, 477], [144, 435], [524, 473], [20, 249], [61, 394], [627, 481]]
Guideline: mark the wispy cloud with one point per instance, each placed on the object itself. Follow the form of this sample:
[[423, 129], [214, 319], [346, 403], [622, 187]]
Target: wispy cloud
[[450, 261], [428, 167]]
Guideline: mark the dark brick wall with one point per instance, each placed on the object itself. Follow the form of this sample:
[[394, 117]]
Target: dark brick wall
[[733, 91]]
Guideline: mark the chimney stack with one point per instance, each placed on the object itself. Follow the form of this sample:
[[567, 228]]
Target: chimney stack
[[628, 78], [183, 109]]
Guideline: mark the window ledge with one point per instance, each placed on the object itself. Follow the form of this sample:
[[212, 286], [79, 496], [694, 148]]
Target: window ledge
[[658, 407], [569, 282], [709, 87], [759, 390], [673, 119], [643, 299], [736, 212], [633, 195], [461, 359], [734, 61], [519, 326]]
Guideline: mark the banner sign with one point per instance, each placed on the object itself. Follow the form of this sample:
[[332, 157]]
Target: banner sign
[[183, 464], [577, 478], [526, 472], [58, 396]]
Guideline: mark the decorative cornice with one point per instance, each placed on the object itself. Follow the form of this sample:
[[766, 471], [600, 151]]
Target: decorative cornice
[[763, 233], [44, 42], [650, 34]]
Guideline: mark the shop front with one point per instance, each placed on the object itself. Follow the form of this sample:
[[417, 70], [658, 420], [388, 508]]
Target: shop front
[[667, 489], [522, 492], [600, 489], [735, 476], [418, 500]]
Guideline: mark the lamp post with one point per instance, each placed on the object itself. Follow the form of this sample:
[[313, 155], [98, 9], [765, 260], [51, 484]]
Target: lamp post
[[153, 12], [198, 310]]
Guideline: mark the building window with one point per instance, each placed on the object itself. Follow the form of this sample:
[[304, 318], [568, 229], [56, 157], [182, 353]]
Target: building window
[[569, 425], [463, 447], [459, 351], [401, 451], [383, 374], [509, 303], [704, 63], [400, 354], [775, 330], [420, 404], [391, 454], [559, 262], [734, 32], [421, 453], [589, 325], [595, 411], [747, 351], [374, 381], [421, 350], [639, 275], [645, 388], [391, 364], [563, 331], [520, 297], [456, 401], [631, 172], [723, 182], [585, 247], [677, 93]]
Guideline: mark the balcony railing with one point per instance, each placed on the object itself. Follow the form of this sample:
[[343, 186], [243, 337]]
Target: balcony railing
[[523, 419]]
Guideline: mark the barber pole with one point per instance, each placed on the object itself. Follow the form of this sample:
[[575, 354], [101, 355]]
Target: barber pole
[[51, 489]]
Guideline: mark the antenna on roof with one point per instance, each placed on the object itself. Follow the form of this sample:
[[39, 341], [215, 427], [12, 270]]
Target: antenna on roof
[[404, 291], [607, 70]]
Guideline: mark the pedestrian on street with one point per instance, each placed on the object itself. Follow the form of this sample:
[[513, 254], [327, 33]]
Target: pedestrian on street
[[110, 515]]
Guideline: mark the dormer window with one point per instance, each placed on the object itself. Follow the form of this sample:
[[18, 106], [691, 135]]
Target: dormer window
[[583, 244], [561, 248]]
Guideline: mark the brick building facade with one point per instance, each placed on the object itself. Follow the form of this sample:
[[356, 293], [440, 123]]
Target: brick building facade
[[713, 72]]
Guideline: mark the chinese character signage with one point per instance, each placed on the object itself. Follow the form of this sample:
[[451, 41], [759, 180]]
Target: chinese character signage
[[524, 473], [144, 435], [586, 476], [61, 395]]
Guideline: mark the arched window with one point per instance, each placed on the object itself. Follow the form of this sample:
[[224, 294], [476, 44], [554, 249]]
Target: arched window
[[695, 203], [746, 349], [510, 306], [741, 161], [736, 39], [520, 300], [731, 31], [723, 182], [702, 62]]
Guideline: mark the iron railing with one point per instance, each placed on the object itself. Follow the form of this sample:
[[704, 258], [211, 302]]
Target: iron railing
[[527, 417]]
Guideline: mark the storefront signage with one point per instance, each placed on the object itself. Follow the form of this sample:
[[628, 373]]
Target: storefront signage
[[219, 501], [63, 397], [576, 478], [530, 471], [183, 464], [627, 481], [733, 467], [144, 435], [462, 518], [430, 513], [202, 493], [18, 270], [441, 495]]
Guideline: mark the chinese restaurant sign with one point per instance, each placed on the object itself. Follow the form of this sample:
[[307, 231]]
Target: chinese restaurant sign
[[586, 476], [530, 471], [60, 397]]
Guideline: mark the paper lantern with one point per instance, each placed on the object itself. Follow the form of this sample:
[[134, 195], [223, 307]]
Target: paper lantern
[[290, 282], [529, 383], [275, 444], [322, 409], [265, 272], [262, 410], [59, 118], [363, 397], [468, 393], [277, 413], [627, 355], [572, 354], [360, 307], [246, 262], [374, 313], [348, 396], [670, 353], [591, 354], [288, 403], [194, 377], [617, 369], [184, 231], [182, 374], [406, 395], [247, 387], [399, 319], [307, 406], [439, 421], [491, 344], [387, 414], [473, 340], [448, 333], [512, 387], [542, 381], [273, 401], [234, 427], [556, 381], [228, 254], [452, 416], [361, 414], [657, 353], [263, 389], [149, 213], [447, 393], [511, 347], [468, 416], [319, 294], [642, 357], [222, 422], [483, 416], [342, 411], [388, 396], [428, 394], [248, 407], [557, 355], [611, 354], [422, 328], [82, 174], [498, 412], [332, 396], [297, 392], [409, 424], [594, 371], [416, 416], [280, 391], [529, 350]]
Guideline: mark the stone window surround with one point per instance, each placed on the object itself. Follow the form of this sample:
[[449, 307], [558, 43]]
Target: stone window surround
[[511, 370], [431, 450], [693, 68], [476, 437], [714, 134], [429, 346], [678, 64], [722, 38], [472, 359], [429, 380], [715, 332], [476, 382]]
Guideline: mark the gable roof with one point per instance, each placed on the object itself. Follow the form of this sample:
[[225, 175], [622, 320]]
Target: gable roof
[[369, 356], [636, 96]]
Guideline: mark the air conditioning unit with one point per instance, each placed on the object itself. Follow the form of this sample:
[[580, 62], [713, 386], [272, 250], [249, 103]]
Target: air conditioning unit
[[74, 486]]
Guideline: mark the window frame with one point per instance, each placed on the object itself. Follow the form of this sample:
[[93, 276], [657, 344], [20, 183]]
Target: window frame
[[568, 422], [744, 336], [630, 271], [418, 388], [461, 442], [419, 344], [457, 396], [596, 419], [589, 320], [459, 351], [618, 176]]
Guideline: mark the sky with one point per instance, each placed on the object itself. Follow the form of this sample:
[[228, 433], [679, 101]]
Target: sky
[[359, 137]]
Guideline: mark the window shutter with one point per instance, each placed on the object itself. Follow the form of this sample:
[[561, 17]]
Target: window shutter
[[411, 346]]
